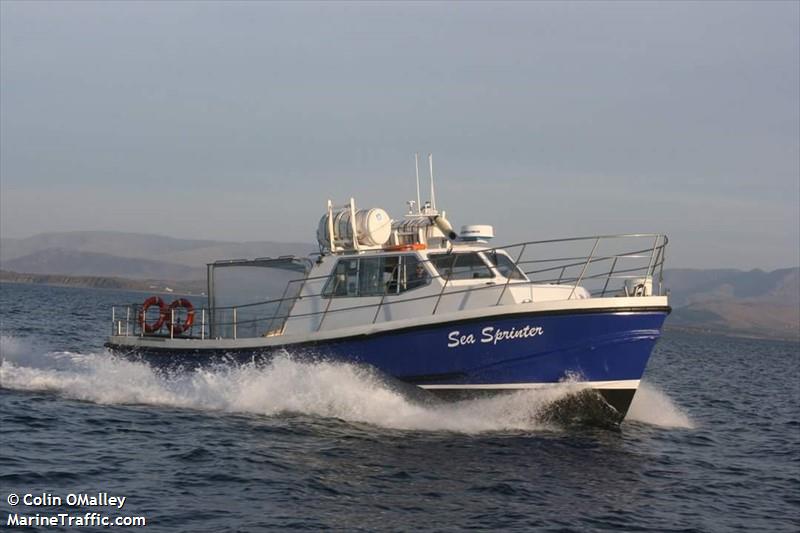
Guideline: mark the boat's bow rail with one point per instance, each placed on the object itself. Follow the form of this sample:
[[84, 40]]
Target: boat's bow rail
[[606, 265], [626, 266]]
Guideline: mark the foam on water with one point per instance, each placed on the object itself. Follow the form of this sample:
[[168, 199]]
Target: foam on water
[[286, 385], [652, 406]]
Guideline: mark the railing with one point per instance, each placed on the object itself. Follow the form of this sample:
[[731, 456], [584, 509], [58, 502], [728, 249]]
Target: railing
[[612, 261], [604, 265]]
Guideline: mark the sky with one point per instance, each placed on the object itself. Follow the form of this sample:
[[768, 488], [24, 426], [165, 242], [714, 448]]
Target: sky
[[237, 121]]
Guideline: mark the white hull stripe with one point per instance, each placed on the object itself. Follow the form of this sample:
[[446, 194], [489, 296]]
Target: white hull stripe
[[621, 384]]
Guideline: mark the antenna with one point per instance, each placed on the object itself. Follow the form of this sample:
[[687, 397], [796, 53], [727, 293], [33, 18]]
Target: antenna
[[416, 165], [433, 193]]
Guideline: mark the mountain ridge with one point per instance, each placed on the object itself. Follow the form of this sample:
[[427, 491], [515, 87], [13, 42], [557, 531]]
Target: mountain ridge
[[191, 252], [61, 261]]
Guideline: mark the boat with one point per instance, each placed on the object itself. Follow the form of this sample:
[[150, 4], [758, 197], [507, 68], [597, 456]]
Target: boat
[[442, 310]]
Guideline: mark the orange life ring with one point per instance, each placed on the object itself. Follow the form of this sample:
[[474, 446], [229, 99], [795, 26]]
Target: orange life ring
[[162, 314], [405, 247], [177, 329]]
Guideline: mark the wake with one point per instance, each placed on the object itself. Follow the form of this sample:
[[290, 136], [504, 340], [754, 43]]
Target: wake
[[287, 385]]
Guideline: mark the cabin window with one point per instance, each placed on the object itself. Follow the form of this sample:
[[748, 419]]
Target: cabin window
[[505, 265], [461, 266], [344, 281], [369, 276], [414, 274], [376, 276]]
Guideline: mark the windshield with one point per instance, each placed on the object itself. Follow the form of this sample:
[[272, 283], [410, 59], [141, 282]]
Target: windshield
[[461, 266], [505, 265]]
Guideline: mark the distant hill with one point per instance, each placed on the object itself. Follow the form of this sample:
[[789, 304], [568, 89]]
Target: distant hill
[[752, 303], [689, 286], [130, 255], [144, 246], [76, 263], [104, 242], [101, 282]]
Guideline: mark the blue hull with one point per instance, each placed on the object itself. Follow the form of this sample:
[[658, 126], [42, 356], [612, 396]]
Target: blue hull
[[513, 350], [531, 348]]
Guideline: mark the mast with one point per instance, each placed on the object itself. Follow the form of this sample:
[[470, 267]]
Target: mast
[[416, 166], [433, 192]]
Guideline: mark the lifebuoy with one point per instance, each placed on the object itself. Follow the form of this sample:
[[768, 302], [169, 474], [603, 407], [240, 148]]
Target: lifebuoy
[[162, 316], [179, 328]]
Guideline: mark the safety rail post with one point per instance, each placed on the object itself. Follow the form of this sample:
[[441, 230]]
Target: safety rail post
[[330, 300], [395, 275], [508, 278], [650, 266], [444, 286], [210, 299], [655, 266], [278, 308], [585, 266], [172, 323], [203, 323], [661, 266], [113, 319], [127, 320], [140, 318], [234, 323], [613, 265], [378, 308], [561, 275]]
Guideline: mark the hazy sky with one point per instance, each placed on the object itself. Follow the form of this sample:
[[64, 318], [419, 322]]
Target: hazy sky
[[237, 121]]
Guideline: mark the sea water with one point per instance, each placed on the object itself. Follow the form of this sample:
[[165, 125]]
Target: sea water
[[711, 442]]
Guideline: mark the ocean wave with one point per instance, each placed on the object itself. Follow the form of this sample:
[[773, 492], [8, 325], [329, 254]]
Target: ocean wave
[[287, 385]]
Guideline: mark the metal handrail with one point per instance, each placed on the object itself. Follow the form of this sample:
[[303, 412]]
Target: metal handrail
[[585, 266], [508, 278], [593, 276], [504, 248], [655, 255]]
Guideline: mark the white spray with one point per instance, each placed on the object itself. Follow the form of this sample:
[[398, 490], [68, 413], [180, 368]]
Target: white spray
[[286, 385]]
